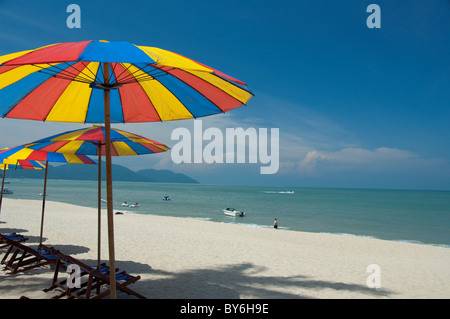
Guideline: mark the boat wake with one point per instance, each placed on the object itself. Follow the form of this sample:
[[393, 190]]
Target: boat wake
[[279, 192]]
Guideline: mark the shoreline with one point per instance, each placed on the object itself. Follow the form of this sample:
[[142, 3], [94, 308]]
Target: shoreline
[[346, 217], [183, 258], [282, 228]]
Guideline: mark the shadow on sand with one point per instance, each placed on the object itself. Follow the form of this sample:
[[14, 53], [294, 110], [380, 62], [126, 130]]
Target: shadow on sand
[[232, 282]]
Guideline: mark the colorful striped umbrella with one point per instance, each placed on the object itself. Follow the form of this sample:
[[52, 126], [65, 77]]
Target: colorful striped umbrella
[[14, 154], [21, 164], [147, 84], [91, 141], [66, 82]]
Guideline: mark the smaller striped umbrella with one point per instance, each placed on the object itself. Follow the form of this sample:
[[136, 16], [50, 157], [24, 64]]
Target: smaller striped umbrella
[[92, 141], [21, 152], [21, 164]]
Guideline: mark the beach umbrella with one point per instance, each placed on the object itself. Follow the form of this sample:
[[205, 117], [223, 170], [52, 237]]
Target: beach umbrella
[[91, 141], [21, 164], [22, 154], [112, 82], [25, 156]]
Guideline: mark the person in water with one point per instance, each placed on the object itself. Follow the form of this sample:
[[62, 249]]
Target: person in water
[[275, 223]]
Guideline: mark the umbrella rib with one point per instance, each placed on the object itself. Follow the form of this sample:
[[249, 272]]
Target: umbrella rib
[[46, 71], [156, 71], [125, 70], [145, 76], [99, 71], [86, 66], [129, 77], [64, 73], [66, 70]]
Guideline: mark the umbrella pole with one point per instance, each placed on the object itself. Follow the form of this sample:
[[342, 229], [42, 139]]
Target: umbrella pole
[[3, 185], [109, 193], [99, 207], [43, 203]]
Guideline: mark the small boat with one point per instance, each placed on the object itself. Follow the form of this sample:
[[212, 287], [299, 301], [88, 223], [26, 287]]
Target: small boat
[[125, 204], [7, 191], [166, 198], [233, 212], [134, 205], [103, 200]]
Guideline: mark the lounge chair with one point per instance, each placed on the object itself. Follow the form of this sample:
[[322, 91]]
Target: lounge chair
[[91, 279], [12, 236], [20, 258]]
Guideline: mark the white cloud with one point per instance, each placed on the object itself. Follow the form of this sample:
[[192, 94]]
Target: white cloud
[[379, 159]]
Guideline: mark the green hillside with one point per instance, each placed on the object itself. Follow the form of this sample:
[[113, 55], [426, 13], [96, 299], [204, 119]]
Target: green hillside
[[90, 172]]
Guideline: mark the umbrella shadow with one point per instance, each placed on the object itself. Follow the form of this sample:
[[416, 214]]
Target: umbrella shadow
[[237, 281], [12, 230], [234, 282], [71, 249], [14, 282]]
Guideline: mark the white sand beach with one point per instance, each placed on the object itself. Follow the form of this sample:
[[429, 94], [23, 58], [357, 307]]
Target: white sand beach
[[187, 258]]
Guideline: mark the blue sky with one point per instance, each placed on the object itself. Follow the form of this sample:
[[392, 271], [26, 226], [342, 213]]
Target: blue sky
[[355, 107]]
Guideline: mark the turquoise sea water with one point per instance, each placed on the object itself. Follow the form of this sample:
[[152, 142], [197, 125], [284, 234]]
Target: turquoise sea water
[[402, 215]]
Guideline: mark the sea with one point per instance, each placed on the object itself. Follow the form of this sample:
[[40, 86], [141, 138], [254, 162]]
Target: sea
[[418, 216]]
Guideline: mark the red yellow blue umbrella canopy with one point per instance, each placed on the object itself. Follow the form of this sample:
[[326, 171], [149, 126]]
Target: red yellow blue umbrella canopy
[[16, 154], [64, 82], [91, 141], [21, 164]]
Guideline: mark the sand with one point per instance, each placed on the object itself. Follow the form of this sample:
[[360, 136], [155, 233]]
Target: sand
[[190, 259]]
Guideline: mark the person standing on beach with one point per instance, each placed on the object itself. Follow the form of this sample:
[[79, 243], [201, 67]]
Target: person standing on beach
[[275, 223]]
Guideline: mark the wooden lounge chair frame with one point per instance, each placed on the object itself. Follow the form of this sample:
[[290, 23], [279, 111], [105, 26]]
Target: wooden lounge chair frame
[[12, 236], [21, 258], [95, 279]]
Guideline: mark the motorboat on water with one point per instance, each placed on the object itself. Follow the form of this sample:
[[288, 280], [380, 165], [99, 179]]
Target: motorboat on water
[[233, 212], [7, 191], [166, 198], [125, 204]]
